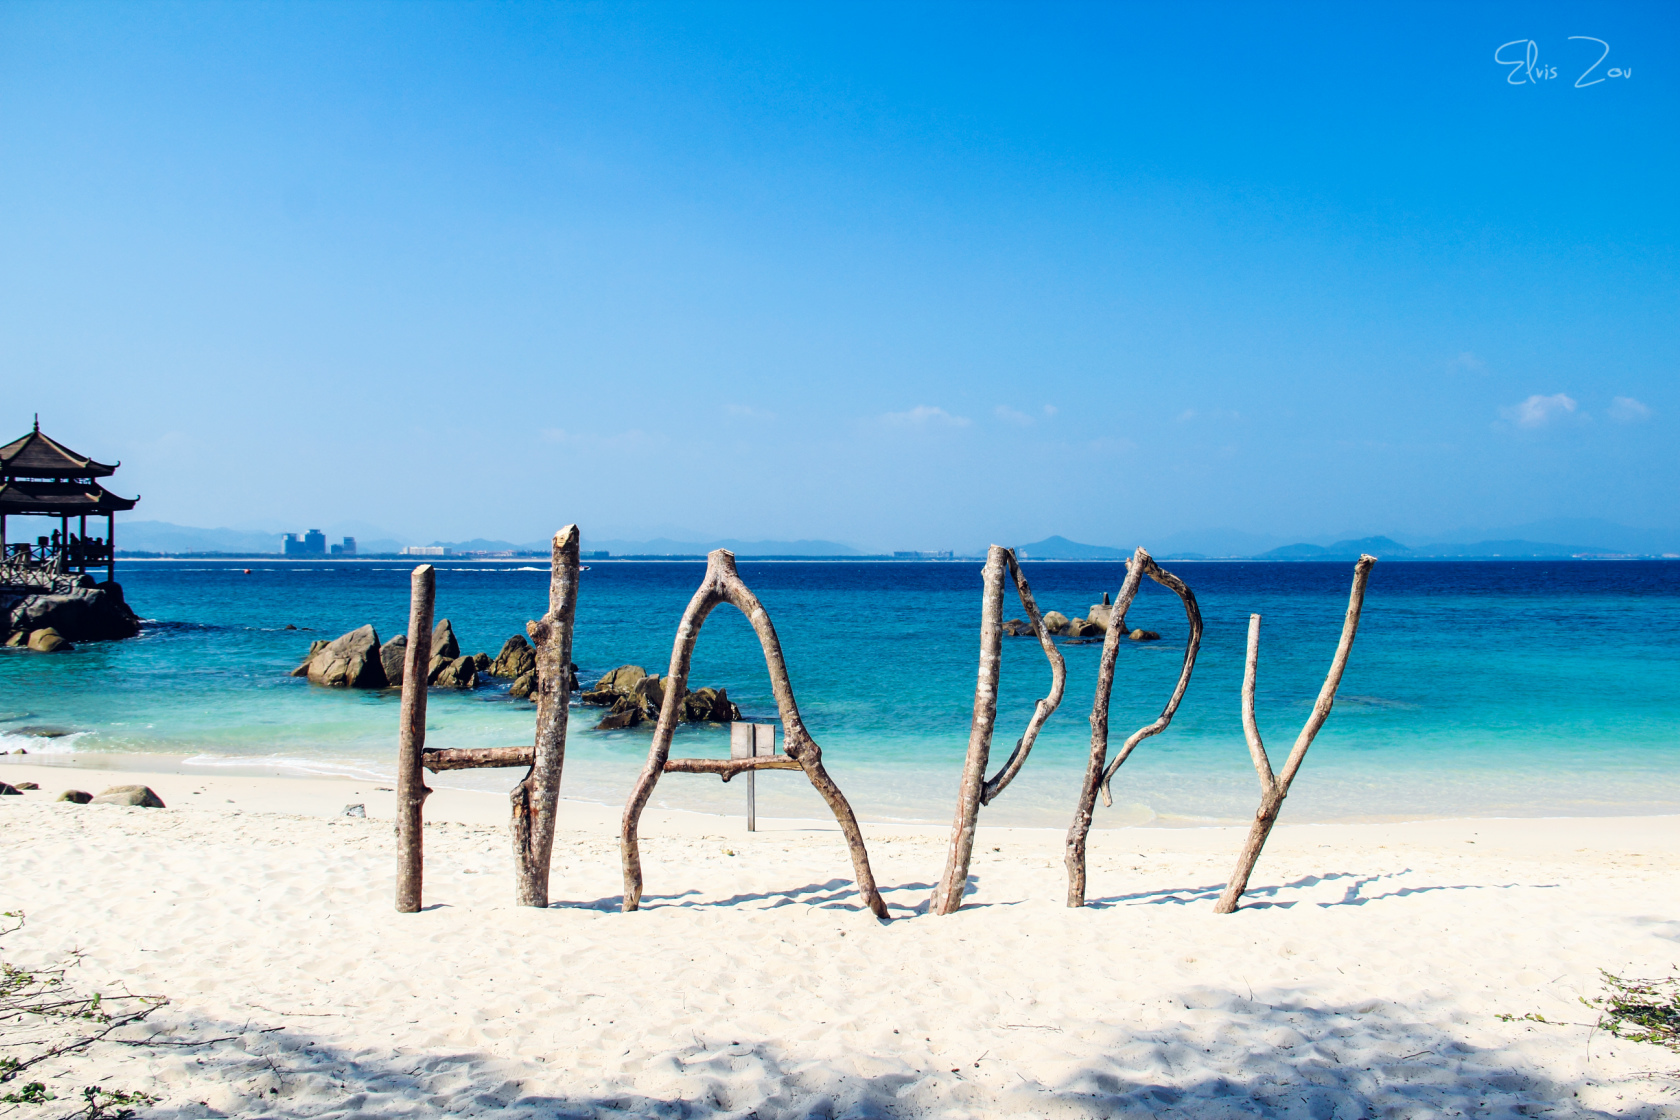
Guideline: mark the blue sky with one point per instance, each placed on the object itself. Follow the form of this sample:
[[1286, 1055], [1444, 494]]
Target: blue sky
[[907, 276]]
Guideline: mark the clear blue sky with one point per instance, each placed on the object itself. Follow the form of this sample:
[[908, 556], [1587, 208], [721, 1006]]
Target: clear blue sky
[[896, 275]]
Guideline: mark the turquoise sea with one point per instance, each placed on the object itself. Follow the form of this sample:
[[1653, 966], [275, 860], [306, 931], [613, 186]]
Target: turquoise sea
[[1475, 688]]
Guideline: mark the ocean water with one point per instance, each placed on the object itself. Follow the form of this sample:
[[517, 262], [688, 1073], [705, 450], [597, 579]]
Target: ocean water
[[1509, 689]]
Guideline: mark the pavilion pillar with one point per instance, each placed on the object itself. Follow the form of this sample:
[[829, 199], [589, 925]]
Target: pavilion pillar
[[81, 549], [111, 547]]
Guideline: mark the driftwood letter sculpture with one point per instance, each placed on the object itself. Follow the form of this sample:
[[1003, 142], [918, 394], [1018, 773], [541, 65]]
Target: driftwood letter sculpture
[[977, 789], [722, 584], [537, 796], [1099, 772], [1274, 788], [411, 741]]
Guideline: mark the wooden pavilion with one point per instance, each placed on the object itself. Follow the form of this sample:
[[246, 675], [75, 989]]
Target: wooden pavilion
[[40, 477]]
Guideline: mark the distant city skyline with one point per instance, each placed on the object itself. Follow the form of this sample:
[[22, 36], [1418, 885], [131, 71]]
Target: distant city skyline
[[911, 278]]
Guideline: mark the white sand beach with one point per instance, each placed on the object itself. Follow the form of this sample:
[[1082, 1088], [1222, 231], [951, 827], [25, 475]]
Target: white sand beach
[[1365, 976]]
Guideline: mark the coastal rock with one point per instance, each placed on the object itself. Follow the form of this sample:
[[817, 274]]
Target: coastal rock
[[1054, 621], [459, 673], [357, 810], [515, 660], [49, 641], [314, 648], [17, 638], [350, 661], [1082, 628], [1017, 628], [27, 785], [391, 656], [619, 718], [76, 796], [1100, 613], [524, 686], [1144, 636], [130, 795], [622, 679], [481, 661], [82, 614], [444, 644], [709, 705], [7, 791]]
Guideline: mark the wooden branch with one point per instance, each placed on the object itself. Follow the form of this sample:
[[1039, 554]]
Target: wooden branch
[[473, 758], [411, 740], [1045, 707], [1098, 771], [727, 768], [722, 584], [1274, 789], [947, 896], [976, 790], [536, 798]]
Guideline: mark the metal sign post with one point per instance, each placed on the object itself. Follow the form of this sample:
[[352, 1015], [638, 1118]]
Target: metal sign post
[[752, 740]]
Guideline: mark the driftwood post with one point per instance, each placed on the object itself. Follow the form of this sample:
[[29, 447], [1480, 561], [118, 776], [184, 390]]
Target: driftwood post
[[1099, 772], [722, 584], [536, 798], [976, 789], [411, 740], [1274, 788]]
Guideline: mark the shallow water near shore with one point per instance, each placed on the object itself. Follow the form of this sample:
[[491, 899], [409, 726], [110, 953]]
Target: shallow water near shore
[[1474, 689]]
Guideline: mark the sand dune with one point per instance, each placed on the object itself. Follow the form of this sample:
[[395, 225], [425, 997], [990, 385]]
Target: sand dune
[[1365, 979]]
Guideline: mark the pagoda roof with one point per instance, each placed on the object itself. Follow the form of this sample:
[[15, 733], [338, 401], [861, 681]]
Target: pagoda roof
[[59, 499], [39, 455]]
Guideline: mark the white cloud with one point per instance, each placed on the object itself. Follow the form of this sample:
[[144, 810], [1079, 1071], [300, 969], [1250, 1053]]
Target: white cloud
[[1469, 361], [923, 416], [1004, 412], [1538, 411], [1626, 410]]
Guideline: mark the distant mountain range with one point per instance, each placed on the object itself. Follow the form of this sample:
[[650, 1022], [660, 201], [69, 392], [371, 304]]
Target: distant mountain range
[[1385, 548], [1603, 539]]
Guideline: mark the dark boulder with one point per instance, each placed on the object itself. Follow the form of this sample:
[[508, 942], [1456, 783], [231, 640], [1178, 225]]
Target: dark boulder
[[27, 785], [314, 648], [444, 644], [350, 661], [81, 614], [482, 661], [1055, 621], [709, 705], [524, 686], [9, 790], [1017, 628], [1082, 628], [391, 656], [516, 659], [76, 796], [459, 673], [1144, 636]]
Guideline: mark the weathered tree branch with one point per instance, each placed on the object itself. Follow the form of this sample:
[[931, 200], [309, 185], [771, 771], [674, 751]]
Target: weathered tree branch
[[1274, 789], [727, 768], [473, 758], [1043, 709], [1098, 770], [411, 740], [536, 798], [975, 789], [722, 584]]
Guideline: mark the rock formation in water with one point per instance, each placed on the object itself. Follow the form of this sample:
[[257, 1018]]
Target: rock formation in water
[[87, 613], [351, 661], [636, 698]]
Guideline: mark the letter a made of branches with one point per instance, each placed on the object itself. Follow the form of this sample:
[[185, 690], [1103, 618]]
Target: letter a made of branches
[[722, 584], [977, 789], [1274, 788], [1099, 771]]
